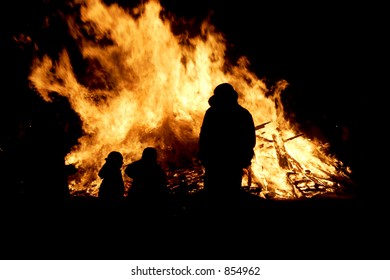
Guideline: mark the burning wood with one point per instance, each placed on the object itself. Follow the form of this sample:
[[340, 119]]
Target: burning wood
[[303, 182], [260, 126], [291, 138]]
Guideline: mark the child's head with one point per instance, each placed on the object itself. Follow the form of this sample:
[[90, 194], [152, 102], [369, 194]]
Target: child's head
[[149, 154], [115, 158]]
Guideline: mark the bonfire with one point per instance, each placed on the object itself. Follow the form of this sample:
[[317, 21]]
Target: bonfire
[[146, 85]]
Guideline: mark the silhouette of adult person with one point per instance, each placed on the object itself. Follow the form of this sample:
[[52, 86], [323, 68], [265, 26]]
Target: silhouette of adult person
[[148, 191], [112, 187], [226, 142]]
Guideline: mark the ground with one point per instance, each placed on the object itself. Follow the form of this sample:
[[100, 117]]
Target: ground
[[325, 228]]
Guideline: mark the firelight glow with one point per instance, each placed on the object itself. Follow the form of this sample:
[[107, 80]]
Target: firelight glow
[[146, 86]]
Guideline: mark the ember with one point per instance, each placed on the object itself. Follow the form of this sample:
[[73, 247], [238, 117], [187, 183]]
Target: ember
[[147, 86]]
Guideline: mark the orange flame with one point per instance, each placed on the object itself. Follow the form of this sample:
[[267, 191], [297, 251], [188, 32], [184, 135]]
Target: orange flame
[[148, 88]]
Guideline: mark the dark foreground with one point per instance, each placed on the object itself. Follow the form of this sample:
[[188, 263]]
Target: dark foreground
[[246, 227]]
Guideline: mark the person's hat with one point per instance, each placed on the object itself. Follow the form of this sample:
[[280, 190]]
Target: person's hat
[[226, 90], [114, 156], [224, 93]]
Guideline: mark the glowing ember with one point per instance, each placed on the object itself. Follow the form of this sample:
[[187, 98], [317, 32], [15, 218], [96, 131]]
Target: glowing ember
[[146, 86]]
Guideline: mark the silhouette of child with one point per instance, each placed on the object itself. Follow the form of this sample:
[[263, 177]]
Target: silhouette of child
[[112, 187], [149, 186]]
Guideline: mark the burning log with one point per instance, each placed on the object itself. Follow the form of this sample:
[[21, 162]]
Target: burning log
[[260, 126], [293, 137], [281, 152]]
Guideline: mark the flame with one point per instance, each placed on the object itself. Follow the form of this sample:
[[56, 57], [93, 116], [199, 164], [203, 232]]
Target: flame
[[146, 86]]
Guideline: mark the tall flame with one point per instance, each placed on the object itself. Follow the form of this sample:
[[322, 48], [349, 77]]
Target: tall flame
[[146, 86]]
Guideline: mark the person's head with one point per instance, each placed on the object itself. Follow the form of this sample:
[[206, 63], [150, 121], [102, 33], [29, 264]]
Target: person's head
[[224, 94], [149, 154], [115, 158]]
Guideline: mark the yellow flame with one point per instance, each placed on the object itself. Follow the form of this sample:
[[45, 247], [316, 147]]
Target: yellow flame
[[144, 87]]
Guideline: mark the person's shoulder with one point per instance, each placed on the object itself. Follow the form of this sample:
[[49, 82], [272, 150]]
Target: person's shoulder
[[243, 109], [132, 165], [210, 110]]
